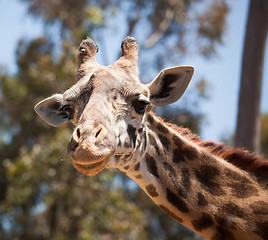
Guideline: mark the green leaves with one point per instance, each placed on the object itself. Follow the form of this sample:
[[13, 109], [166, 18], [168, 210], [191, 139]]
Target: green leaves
[[211, 26], [95, 15]]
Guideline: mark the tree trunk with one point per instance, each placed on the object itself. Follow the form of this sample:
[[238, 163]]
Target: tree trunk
[[248, 119]]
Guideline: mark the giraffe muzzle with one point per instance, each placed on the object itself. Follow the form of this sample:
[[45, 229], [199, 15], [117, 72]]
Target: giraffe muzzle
[[90, 146]]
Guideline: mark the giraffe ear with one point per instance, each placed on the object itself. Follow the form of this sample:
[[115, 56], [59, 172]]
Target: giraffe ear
[[170, 85], [51, 110]]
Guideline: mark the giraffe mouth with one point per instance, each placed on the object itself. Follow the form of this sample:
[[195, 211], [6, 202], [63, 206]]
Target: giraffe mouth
[[90, 169]]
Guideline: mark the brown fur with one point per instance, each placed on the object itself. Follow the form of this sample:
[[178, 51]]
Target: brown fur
[[239, 157]]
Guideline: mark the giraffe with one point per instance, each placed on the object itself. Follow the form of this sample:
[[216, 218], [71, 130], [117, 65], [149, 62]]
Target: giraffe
[[218, 192]]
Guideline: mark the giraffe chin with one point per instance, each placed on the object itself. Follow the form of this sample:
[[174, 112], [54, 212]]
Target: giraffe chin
[[90, 169]]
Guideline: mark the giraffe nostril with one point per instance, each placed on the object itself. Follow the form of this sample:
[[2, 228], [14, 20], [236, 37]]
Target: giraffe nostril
[[97, 133], [78, 133]]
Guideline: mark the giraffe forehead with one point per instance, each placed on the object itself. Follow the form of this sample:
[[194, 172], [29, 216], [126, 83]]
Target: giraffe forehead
[[118, 79], [105, 81]]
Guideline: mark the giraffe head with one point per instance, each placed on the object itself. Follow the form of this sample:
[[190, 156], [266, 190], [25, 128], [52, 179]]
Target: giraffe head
[[108, 107]]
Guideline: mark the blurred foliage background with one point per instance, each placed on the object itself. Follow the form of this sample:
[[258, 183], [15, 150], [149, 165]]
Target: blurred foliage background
[[42, 196]]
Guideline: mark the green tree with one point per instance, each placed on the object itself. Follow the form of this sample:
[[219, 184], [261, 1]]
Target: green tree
[[42, 196]]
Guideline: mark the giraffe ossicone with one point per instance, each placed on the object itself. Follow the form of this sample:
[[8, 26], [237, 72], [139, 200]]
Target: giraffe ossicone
[[200, 184]]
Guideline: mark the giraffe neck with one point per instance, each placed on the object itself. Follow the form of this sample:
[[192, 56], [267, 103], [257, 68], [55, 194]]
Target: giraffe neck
[[201, 191]]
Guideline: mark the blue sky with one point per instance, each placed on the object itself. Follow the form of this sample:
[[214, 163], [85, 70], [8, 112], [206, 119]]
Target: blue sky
[[222, 72]]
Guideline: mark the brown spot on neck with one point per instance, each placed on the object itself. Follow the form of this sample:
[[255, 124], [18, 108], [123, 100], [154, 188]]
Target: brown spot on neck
[[151, 190], [203, 222]]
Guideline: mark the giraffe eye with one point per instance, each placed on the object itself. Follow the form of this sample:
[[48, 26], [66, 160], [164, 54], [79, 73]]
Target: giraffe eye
[[67, 109], [140, 106]]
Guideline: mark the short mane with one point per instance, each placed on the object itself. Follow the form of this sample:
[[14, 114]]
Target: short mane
[[237, 156]]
